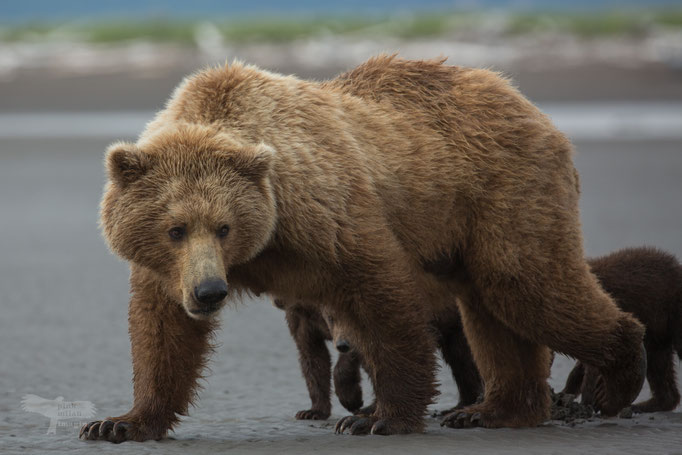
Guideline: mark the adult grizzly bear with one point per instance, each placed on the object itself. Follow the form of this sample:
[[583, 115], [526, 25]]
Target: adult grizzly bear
[[647, 283], [367, 194]]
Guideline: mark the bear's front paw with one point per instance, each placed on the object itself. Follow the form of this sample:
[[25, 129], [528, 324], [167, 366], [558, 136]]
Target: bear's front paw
[[355, 424], [116, 430], [369, 424], [618, 387], [312, 414]]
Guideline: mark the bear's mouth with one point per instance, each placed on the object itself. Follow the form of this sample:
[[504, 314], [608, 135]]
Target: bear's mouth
[[205, 310], [208, 309]]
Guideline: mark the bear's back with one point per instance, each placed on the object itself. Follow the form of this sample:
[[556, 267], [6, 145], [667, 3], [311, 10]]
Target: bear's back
[[645, 282], [456, 102]]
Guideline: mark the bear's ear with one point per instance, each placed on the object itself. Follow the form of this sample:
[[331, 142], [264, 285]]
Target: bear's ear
[[126, 163], [254, 162]]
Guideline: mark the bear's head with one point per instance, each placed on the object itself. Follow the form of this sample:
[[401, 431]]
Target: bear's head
[[340, 335], [188, 203]]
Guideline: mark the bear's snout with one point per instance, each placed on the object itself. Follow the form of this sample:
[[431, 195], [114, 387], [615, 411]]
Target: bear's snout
[[342, 346], [209, 292]]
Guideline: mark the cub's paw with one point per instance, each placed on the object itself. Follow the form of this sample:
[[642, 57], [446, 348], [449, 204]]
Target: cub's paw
[[312, 414], [351, 401], [654, 405], [446, 412], [467, 419], [369, 424], [468, 400], [367, 410], [116, 430]]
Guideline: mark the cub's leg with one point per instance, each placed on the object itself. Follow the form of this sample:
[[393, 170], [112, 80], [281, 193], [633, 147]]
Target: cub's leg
[[347, 380], [308, 330], [574, 381], [169, 351], [457, 355], [662, 381]]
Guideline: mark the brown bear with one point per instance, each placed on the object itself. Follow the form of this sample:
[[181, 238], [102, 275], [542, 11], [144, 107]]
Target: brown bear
[[366, 194], [647, 283], [310, 331], [311, 328]]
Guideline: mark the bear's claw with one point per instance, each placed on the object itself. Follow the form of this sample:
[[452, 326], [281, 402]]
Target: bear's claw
[[312, 414], [106, 430], [345, 423], [366, 424]]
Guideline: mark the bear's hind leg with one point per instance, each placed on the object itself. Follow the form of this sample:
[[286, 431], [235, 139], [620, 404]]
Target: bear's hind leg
[[563, 307], [514, 371], [662, 381]]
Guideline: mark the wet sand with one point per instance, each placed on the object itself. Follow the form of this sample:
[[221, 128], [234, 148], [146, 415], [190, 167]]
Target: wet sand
[[63, 330]]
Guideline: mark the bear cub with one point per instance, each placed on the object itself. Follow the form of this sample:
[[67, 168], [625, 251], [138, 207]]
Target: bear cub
[[646, 282]]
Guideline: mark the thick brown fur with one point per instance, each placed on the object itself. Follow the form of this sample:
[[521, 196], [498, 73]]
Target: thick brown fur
[[310, 330], [345, 194], [647, 283]]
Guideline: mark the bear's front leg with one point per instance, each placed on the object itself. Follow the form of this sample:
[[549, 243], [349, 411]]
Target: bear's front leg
[[169, 351], [388, 325]]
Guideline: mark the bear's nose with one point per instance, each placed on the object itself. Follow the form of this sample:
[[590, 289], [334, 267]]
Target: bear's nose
[[210, 291], [342, 346]]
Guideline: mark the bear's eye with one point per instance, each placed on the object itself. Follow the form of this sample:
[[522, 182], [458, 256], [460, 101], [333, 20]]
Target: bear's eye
[[177, 233], [223, 231]]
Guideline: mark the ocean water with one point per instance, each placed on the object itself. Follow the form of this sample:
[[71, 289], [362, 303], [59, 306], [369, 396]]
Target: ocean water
[[46, 10]]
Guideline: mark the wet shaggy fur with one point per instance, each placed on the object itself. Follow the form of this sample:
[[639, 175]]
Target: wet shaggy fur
[[647, 283], [383, 195], [310, 331], [644, 281]]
